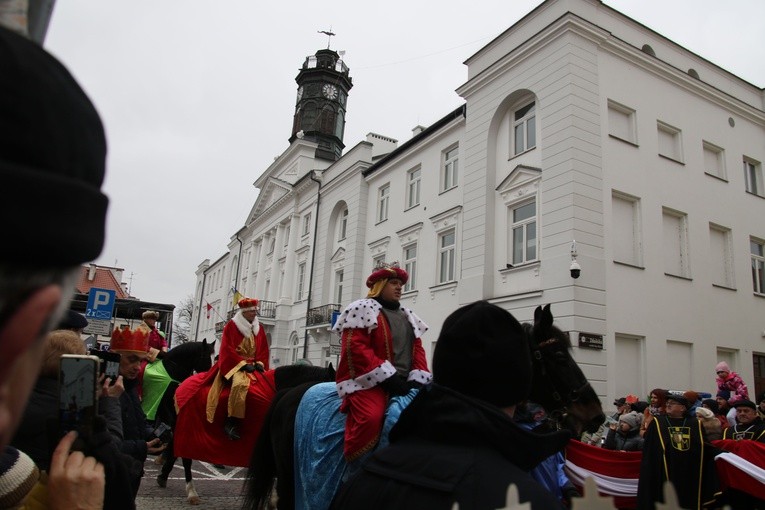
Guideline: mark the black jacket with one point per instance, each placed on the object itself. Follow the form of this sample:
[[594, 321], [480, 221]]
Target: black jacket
[[135, 430], [629, 442], [448, 447]]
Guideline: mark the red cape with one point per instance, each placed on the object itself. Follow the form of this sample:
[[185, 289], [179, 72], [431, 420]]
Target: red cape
[[196, 438]]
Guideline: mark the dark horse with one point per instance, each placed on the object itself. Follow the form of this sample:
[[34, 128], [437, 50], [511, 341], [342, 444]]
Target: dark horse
[[558, 385], [180, 363]]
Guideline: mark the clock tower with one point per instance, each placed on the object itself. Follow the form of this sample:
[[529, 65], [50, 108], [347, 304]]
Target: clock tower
[[322, 95]]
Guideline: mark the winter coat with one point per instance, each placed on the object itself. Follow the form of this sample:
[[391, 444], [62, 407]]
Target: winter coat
[[135, 431], [629, 442], [736, 386], [449, 447]]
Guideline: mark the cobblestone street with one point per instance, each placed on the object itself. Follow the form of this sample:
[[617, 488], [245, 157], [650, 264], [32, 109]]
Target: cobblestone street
[[219, 489]]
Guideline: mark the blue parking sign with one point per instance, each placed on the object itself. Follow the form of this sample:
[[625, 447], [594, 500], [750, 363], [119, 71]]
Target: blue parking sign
[[100, 303]]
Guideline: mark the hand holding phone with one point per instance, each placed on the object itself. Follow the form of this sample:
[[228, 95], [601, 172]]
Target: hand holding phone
[[110, 363]]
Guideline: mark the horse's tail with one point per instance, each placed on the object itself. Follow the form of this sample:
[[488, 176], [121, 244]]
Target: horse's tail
[[262, 471]]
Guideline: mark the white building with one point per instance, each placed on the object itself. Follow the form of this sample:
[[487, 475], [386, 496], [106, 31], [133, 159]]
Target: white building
[[578, 124]]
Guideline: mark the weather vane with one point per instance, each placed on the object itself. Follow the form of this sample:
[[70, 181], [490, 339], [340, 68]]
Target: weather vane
[[328, 33]]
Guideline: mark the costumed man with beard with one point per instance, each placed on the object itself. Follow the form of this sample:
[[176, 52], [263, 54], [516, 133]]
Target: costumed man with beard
[[381, 356], [457, 441], [243, 351], [675, 450]]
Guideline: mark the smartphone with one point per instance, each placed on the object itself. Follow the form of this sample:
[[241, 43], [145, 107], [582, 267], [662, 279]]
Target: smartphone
[[110, 364], [77, 390], [163, 432]]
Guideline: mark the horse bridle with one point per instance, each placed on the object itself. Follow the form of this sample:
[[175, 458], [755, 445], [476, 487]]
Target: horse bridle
[[557, 415]]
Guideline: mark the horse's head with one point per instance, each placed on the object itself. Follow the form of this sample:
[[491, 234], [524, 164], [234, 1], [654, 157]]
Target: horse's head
[[558, 383], [187, 358], [290, 376]]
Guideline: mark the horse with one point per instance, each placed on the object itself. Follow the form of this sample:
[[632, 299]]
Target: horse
[[179, 363], [558, 385]]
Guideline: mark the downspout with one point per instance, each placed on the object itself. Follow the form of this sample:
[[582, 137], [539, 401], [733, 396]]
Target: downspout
[[238, 265], [313, 257], [201, 298]]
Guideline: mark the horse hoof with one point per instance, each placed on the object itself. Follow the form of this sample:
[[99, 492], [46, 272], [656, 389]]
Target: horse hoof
[[162, 481], [191, 494]]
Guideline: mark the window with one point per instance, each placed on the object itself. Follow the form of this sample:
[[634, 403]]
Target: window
[[524, 129], [446, 251], [714, 161], [721, 255], [287, 236], [413, 188], [410, 266], [450, 169], [383, 196], [524, 232], [300, 281], [378, 260], [753, 176], [621, 122], [307, 224], [670, 143], [339, 275], [758, 265], [627, 231], [343, 227], [271, 245], [676, 261]]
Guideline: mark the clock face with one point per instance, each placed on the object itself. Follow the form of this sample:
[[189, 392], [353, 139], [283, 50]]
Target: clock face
[[329, 91], [300, 93]]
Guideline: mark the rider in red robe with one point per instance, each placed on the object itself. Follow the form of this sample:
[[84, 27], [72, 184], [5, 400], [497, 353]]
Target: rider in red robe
[[381, 356], [243, 351]]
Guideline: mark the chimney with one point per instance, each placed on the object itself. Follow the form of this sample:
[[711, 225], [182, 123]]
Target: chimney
[[416, 130], [92, 272]]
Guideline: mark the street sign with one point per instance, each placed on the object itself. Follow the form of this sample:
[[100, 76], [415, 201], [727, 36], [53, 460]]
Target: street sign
[[591, 341], [98, 327], [100, 304], [334, 350]]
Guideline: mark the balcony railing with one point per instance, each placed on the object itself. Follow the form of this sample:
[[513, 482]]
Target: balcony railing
[[267, 309], [321, 314]]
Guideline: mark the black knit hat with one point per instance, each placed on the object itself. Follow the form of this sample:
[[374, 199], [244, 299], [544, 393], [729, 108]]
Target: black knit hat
[[52, 160], [744, 403], [482, 352]]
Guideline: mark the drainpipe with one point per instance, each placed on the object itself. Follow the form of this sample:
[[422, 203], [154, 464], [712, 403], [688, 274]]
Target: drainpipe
[[201, 298], [238, 265], [313, 257]]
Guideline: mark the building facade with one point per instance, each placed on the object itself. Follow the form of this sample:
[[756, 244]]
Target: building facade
[[583, 134]]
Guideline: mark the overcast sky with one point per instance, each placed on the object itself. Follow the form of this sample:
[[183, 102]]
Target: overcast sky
[[197, 96]]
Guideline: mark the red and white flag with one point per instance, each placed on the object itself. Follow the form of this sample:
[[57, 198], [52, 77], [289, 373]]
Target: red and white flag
[[209, 307], [615, 472]]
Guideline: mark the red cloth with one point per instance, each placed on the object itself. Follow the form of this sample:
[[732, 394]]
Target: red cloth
[[196, 438], [364, 421], [732, 477], [156, 340], [611, 463]]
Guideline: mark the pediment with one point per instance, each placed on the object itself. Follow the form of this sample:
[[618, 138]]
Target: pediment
[[519, 177], [273, 190], [338, 256]]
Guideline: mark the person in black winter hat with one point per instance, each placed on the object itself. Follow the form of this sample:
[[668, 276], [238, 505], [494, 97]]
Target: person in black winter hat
[[457, 442], [52, 163]]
